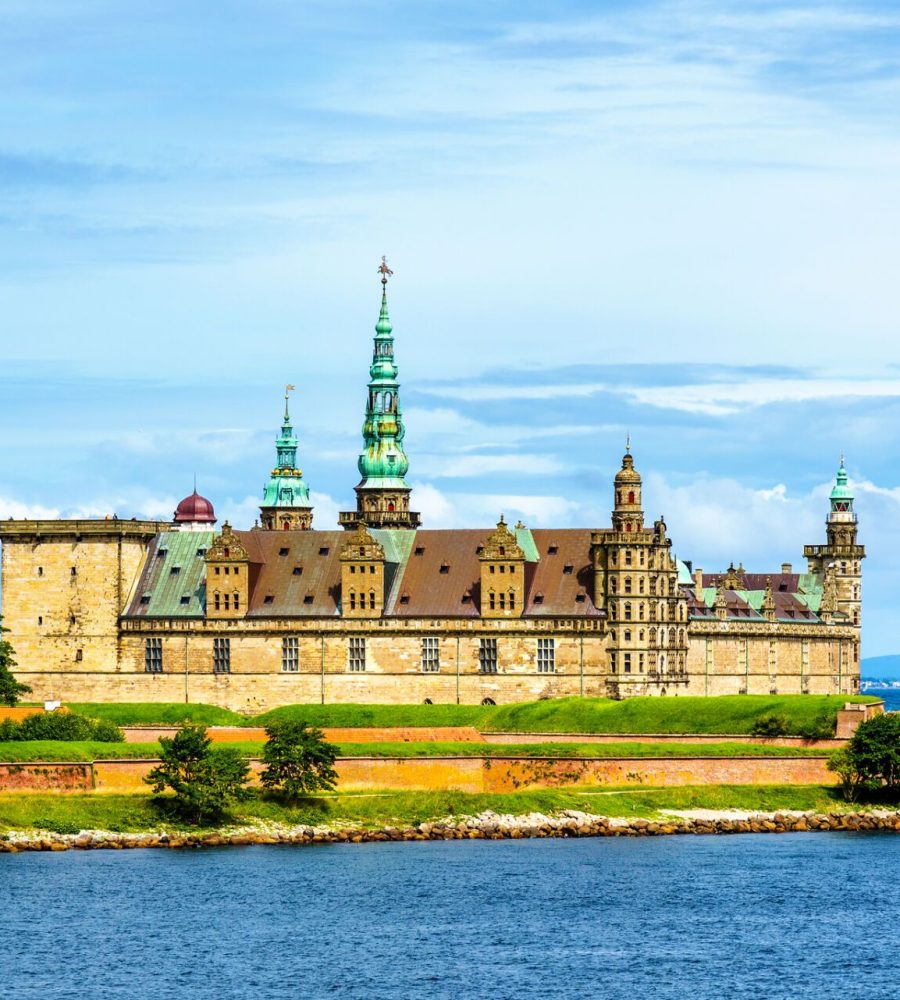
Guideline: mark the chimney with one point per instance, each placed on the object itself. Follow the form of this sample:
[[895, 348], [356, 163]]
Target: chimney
[[698, 583], [787, 568]]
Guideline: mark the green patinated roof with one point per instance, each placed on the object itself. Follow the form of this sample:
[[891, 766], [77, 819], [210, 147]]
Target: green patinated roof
[[684, 574], [183, 551], [841, 490], [527, 544]]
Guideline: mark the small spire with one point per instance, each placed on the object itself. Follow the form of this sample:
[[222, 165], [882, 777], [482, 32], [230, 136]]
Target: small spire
[[628, 442], [287, 389]]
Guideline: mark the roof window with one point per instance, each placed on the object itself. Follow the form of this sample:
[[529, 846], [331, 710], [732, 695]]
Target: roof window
[[268, 599], [308, 599], [145, 598], [174, 571], [579, 598], [283, 552], [298, 571], [552, 550], [323, 551], [161, 552], [185, 599], [404, 598], [445, 567], [419, 550], [479, 549], [538, 598], [467, 598], [568, 568], [201, 553]]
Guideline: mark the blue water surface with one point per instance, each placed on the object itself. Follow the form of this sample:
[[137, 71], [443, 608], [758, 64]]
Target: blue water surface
[[672, 918]]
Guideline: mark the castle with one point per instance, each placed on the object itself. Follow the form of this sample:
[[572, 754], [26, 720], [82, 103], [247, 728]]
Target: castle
[[382, 610]]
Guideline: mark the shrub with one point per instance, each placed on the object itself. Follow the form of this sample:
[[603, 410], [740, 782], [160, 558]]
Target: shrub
[[298, 759], [770, 724], [874, 752], [206, 782], [819, 728], [10, 689], [842, 763], [65, 726]]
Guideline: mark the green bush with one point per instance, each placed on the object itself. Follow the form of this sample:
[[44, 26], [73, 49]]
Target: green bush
[[871, 759], [298, 759], [206, 782], [770, 724], [10, 689], [65, 726]]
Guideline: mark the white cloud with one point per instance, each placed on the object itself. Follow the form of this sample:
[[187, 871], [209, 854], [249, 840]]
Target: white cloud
[[461, 467]]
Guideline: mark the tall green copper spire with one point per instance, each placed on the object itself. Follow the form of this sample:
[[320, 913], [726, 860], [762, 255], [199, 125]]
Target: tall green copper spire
[[286, 504], [382, 496]]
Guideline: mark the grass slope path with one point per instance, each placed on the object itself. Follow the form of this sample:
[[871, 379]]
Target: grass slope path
[[726, 715]]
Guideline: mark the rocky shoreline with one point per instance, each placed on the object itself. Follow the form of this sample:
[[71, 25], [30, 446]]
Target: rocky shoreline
[[486, 826]]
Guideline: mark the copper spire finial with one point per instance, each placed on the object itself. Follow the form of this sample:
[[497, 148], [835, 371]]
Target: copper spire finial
[[384, 270], [287, 389]]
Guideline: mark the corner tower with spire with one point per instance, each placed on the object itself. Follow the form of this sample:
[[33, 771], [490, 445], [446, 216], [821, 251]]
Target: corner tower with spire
[[286, 505], [382, 496]]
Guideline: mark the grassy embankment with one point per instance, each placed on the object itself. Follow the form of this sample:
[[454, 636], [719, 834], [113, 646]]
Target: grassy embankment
[[730, 714], [136, 813], [57, 750]]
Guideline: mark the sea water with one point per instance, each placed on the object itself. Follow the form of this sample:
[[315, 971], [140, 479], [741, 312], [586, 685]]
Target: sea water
[[672, 918]]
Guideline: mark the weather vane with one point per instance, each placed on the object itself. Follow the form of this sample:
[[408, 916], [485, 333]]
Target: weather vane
[[384, 270], [287, 389]]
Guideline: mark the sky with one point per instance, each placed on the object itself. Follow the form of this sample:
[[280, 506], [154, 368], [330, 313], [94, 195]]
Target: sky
[[675, 220]]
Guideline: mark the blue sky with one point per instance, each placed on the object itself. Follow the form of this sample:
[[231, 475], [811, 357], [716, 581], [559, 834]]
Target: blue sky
[[674, 219]]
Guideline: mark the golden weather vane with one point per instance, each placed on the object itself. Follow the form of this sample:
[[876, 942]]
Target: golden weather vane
[[384, 270]]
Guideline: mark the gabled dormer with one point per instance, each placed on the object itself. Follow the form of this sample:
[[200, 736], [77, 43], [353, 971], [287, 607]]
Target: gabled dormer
[[362, 575], [502, 574], [227, 576]]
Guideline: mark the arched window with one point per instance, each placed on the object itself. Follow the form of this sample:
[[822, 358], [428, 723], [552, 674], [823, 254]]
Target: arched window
[[627, 584], [286, 525], [628, 635], [653, 637], [613, 585], [631, 496], [641, 635], [628, 525], [390, 506], [628, 611], [681, 637]]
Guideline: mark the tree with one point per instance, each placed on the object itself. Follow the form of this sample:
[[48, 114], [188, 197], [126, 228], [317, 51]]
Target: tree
[[298, 759], [205, 781], [872, 757], [10, 689]]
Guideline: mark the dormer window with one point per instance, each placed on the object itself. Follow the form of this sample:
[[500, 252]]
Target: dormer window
[[201, 553], [445, 567], [185, 599], [283, 552], [579, 598], [420, 550], [308, 599], [552, 550], [174, 571], [298, 571], [404, 598], [323, 551], [269, 599], [568, 568], [467, 598], [538, 598]]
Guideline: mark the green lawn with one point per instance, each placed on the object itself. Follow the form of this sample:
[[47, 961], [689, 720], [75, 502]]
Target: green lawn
[[135, 813], [57, 750], [732, 714]]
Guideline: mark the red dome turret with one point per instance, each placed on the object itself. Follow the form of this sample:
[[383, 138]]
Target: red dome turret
[[195, 509]]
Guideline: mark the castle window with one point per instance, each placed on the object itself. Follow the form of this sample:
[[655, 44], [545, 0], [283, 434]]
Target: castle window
[[640, 662], [628, 635], [431, 657], [445, 568], [568, 569], [228, 571], [218, 570], [371, 600], [201, 553], [40, 619], [237, 570], [612, 662], [493, 568], [502, 601], [512, 600], [145, 598], [268, 599], [614, 558], [626, 662], [487, 656], [641, 553], [227, 602], [546, 656], [353, 600], [641, 635], [641, 585], [538, 598], [552, 550], [308, 599], [628, 553], [71, 619], [631, 496], [492, 601], [579, 598], [298, 571], [74, 572], [628, 611], [153, 656], [502, 569], [323, 551], [404, 598], [362, 550], [352, 569], [217, 601], [512, 569], [174, 571], [227, 553], [290, 654], [185, 599], [40, 570], [627, 584], [420, 550], [222, 656], [613, 585], [356, 654]]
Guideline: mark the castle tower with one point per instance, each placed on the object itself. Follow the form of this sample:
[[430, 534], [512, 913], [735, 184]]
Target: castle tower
[[382, 496], [194, 513], [627, 512], [838, 564], [227, 576], [286, 505], [362, 575]]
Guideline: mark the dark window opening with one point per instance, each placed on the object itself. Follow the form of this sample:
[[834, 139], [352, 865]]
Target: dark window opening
[[404, 598], [420, 550], [283, 552], [445, 568], [308, 599], [174, 571], [552, 550], [538, 598], [145, 598], [323, 551], [298, 571], [222, 656], [568, 568], [185, 599], [268, 599]]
